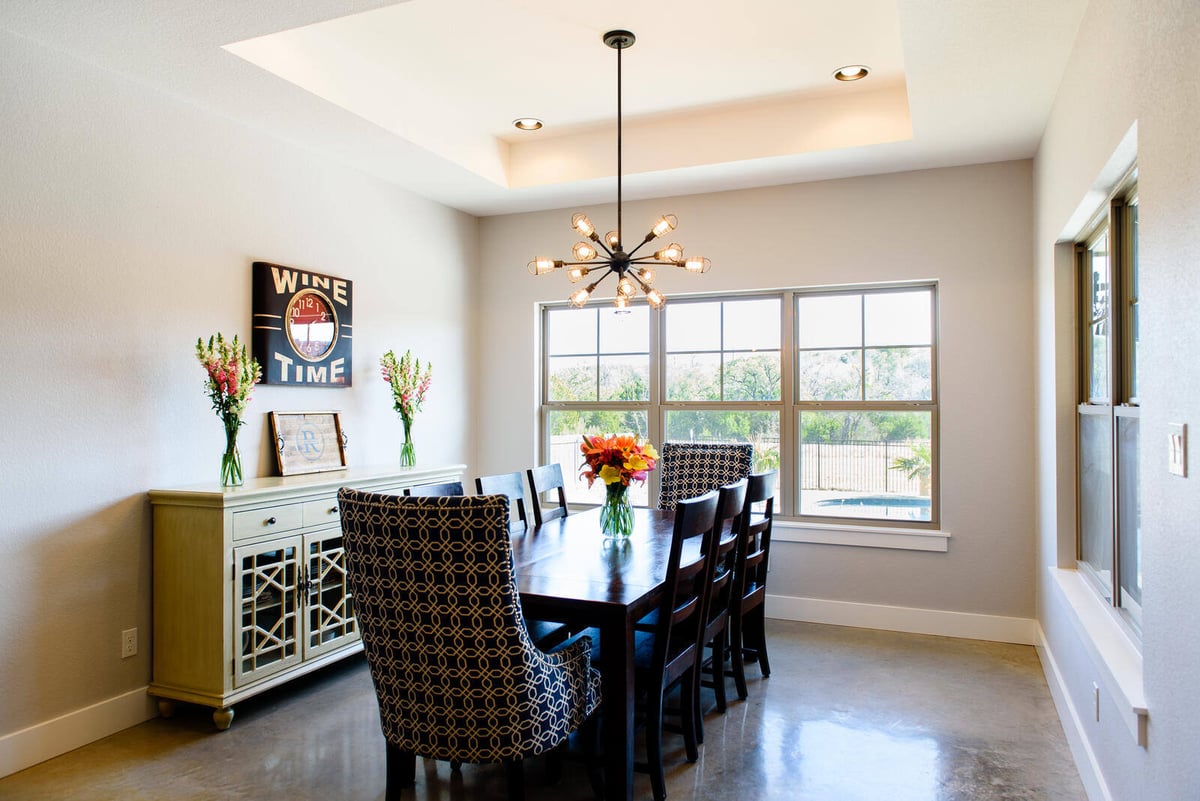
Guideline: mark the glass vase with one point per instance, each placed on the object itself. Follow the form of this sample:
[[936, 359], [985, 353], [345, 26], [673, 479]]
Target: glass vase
[[408, 455], [231, 460], [616, 515]]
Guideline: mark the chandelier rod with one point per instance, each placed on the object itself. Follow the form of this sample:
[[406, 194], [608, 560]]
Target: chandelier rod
[[620, 232]]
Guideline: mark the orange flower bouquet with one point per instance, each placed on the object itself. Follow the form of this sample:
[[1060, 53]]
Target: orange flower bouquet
[[617, 460]]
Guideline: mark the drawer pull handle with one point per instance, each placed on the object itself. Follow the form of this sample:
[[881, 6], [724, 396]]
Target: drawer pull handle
[[333, 510], [270, 521]]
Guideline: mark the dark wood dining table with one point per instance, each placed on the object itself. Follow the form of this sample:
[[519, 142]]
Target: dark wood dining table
[[567, 572]]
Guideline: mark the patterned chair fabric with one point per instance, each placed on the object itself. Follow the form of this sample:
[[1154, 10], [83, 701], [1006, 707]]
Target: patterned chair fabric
[[456, 674], [689, 469]]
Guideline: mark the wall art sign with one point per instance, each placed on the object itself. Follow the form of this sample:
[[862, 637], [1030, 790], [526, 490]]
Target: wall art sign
[[308, 442], [302, 326]]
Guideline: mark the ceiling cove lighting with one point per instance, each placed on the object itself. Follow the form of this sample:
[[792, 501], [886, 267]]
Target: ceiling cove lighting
[[851, 72], [527, 123], [607, 255]]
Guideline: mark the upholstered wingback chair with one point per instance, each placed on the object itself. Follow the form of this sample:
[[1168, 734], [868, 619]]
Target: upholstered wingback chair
[[455, 672], [689, 469]]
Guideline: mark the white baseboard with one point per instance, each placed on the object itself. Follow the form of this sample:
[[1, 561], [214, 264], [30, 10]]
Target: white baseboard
[[1085, 758], [1023, 631], [42, 741]]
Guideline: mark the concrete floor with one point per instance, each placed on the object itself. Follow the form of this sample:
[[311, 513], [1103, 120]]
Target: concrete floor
[[847, 715]]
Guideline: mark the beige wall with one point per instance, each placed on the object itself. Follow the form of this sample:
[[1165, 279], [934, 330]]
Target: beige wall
[[1133, 63], [129, 221], [968, 227]]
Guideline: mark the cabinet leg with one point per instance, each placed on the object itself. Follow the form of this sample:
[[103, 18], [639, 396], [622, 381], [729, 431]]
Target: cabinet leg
[[223, 717], [166, 708]]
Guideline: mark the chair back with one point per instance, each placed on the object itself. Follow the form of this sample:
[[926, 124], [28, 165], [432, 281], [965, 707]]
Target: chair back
[[455, 672], [689, 469], [445, 489], [546, 478], [509, 485], [689, 566], [754, 544], [729, 523]]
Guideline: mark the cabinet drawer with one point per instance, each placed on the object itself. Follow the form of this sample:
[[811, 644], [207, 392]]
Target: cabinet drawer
[[267, 520], [320, 512]]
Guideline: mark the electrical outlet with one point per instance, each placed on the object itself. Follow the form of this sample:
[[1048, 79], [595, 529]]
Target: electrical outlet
[[128, 643]]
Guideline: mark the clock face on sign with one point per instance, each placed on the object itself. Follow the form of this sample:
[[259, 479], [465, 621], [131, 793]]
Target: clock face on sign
[[311, 325], [302, 326]]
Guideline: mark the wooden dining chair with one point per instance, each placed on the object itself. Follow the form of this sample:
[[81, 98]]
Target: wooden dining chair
[[747, 608], [542, 479], [510, 485], [718, 595], [546, 633], [445, 489], [688, 469], [668, 657], [486, 694]]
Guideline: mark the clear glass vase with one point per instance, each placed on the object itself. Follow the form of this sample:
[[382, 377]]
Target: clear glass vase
[[231, 460], [408, 455], [616, 515]]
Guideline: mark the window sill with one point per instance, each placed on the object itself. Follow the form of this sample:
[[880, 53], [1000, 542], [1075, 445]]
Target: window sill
[[1116, 656], [904, 539]]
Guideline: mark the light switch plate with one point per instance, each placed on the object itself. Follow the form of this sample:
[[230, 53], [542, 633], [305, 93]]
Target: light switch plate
[[1177, 448]]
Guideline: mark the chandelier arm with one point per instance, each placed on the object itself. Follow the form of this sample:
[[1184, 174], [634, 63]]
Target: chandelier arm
[[653, 260], [640, 246]]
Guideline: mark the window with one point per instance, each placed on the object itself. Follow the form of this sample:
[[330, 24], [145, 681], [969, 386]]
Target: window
[[834, 388], [865, 404], [1109, 537]]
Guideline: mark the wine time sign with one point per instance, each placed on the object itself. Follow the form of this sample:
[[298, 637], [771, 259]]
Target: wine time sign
[[303, 326]]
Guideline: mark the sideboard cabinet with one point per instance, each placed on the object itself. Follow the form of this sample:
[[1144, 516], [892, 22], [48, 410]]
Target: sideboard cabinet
[[250, 583]]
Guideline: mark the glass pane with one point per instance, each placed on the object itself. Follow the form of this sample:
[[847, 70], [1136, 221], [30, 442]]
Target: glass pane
[[758, 428], [624, 378], [572, 378], [1129, 526], [1098, 283], [829, 321], [752, 324], [694, 377], [864, 464], [1095, 496], [693, 326], [565, 430], [899, 374], [829, 375], [570, 331], [898, 318], [627, 331], [1133, 301], [752, 377]]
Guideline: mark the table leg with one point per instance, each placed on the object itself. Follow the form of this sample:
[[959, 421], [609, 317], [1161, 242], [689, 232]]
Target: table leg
[[616, 649]]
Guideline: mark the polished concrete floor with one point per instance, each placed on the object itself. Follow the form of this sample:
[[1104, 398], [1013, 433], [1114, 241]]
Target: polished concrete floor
[[847, 715]]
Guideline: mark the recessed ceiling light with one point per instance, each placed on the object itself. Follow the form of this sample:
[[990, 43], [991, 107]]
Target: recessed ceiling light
[[527, 123], [853, 72]]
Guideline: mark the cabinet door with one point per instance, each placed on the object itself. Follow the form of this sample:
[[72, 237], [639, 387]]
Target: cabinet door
[[267, 603], [330, 611]]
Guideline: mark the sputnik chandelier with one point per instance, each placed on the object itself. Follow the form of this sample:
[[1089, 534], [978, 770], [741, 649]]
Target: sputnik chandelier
[[608, 254]]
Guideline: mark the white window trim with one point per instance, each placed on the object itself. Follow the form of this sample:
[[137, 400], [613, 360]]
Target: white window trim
[[1110, 645], [904, 539]]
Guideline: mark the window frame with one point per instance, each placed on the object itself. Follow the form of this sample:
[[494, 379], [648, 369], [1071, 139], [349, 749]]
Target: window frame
[[788, 409], [1118, 220]]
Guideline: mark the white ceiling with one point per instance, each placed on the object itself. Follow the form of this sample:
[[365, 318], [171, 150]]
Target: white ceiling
[[717, 95]]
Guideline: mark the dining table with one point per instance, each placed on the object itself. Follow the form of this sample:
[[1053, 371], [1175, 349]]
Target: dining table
[[567, 571]]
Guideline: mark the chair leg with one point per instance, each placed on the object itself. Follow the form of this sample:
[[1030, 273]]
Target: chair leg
[[654, 755], [736, 655], [691, 725], [760, 636], [718, 669], [401, 771], [516, 779]]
